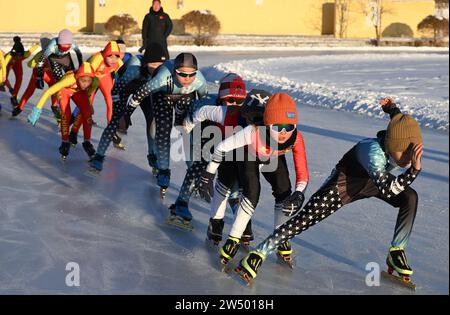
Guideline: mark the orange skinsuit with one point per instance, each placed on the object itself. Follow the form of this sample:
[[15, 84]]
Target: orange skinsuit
[[15, 64], [48, 78], [67, 88], [103, 72]]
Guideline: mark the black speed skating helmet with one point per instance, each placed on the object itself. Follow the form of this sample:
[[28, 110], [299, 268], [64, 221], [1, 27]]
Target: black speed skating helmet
[[186, 60]]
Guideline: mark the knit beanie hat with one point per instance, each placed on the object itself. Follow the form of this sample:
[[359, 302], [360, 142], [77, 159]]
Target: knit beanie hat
[[403, 130], [154, 52], [280, 109], [65, 37], [232, 85], [186, 60], [17, 49]]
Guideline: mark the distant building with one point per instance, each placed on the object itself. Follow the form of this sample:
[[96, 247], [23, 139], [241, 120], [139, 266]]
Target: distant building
[[255, 17]]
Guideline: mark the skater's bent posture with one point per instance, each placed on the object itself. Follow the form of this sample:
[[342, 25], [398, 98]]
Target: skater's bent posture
[[363, 172], [105, 64], [76, 86], [58, 55], [177, 83], [267, 146], [48, 78], [136, 71], [219, 111], [13, 61]]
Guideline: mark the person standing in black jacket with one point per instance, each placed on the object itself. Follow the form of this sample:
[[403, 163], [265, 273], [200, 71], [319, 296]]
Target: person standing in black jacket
[[156, 27]]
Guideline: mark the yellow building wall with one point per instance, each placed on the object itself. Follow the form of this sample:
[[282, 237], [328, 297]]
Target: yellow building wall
[[397, 11], [271, 17], [258, 17], [42, 15]]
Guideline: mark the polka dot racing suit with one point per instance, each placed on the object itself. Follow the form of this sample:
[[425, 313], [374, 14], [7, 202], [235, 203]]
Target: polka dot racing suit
[[130, 77], [363, 172], [170, 95]]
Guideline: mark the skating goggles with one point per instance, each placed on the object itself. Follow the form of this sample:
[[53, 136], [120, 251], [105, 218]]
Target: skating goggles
[[281, 127], [186, 74], [234, 100]]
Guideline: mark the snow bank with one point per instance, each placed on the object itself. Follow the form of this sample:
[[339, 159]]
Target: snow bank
[[355, 82]]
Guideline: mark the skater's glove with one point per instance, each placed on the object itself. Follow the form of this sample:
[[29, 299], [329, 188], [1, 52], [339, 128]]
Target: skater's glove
[[131, 103], [34, 116], [206, 186], [389, 107], [293, 203], [141, 49], [180, 115], [39, 83]]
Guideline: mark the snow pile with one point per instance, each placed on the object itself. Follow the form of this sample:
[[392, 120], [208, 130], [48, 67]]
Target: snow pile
[[355, 82]]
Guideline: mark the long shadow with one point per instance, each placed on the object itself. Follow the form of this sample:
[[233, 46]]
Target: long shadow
[[16, 139], [24, 140]]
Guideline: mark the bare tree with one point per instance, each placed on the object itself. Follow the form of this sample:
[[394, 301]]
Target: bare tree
[[342, 8], [375, 10]]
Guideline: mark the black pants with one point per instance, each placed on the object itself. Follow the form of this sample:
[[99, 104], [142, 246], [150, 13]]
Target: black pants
[[249, 177], [327, 200]]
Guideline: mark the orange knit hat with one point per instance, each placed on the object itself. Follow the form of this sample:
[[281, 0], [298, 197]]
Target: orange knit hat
[[280, 109]]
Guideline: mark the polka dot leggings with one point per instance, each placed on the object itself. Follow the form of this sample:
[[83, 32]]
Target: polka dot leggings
[[163, 113], [321, 205]]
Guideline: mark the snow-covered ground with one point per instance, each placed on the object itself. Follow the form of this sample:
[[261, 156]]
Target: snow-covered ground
[[113, 227], [418, 82]]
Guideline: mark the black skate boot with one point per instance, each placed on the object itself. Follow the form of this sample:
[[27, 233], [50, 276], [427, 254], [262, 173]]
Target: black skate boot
[[284, 254], [16, 111], [163, 179], [73, 138], [249, 265], [229, 250], [96, 164], [215, 229], [247, 236], [89, 149], [117, 142], [397, 261], [64, 150]]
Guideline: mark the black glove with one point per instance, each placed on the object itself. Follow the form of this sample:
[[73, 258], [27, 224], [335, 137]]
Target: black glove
[[206, 186], [16, 111], [141, 49], [180, 115], [293, 203], [39, 83]]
